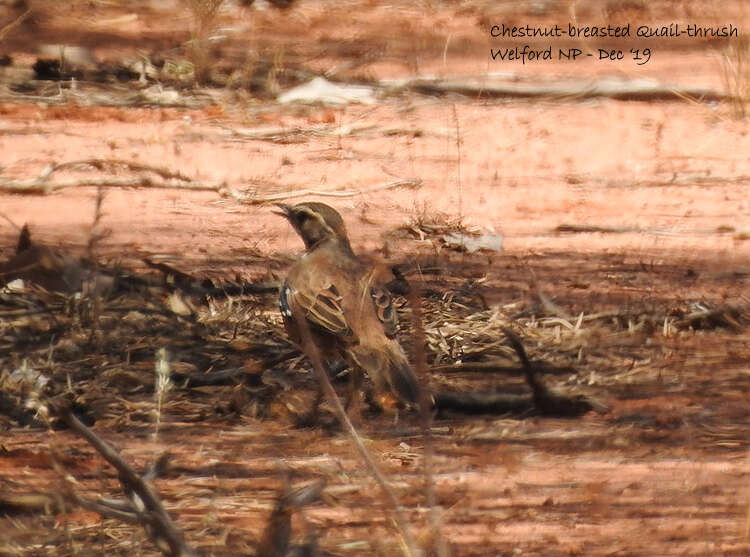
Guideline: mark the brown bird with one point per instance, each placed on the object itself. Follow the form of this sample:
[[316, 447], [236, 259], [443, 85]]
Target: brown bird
[[349, 314], [52, 269]]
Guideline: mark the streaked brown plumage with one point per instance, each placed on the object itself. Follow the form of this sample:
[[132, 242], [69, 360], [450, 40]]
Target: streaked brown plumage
[[349, 313]]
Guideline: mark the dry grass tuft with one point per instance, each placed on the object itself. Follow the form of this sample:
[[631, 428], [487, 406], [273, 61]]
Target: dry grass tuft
[[736, 73], [204, 15]]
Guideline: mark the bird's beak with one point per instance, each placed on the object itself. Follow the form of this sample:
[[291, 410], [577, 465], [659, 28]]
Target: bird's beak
[[286, 210]]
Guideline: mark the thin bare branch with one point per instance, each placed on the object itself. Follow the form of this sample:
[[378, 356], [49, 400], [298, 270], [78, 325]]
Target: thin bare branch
[[500, 367], [167, 179], [408, 182], [15, 23], [577, 89], [36, 186], [101, 164], [154, 514], [410, 547], [426, 406], [285, 134]]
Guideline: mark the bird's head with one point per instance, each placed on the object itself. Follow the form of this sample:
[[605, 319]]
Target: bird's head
[[314, 222]]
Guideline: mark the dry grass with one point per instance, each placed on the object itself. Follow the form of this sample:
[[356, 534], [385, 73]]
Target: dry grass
[[204, 16], [106, 367], [736, 73], [676, 367]]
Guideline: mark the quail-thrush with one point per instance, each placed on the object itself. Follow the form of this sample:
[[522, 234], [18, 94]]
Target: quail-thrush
[[349, 314]]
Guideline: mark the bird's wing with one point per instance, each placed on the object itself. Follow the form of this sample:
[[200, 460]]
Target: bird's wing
[[383, 302], [322, 308]]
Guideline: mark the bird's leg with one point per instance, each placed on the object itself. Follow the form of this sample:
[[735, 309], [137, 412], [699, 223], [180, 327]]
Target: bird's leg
[[353, 400], [312, 417]]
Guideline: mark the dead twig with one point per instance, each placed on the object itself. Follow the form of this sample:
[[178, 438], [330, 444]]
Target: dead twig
[[546, 400], [171, 179], [168, 179], [15, 23], [483, 403], [312, 351], [120, 509], [37, 187], [408, 182], [147, 506], [572, 228], [285, 134], [10, 221], [27, 503], [101, 164], [499, 367], [426, 409], [275, 541], [576, 89]]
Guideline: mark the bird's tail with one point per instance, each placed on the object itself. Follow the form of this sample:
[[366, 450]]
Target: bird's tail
[[389, 369]]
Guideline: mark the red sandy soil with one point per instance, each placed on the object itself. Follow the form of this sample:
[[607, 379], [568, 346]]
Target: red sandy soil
[[675, 173]]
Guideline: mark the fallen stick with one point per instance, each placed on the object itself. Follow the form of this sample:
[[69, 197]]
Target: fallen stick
[[169, 180], [153, 516], [36, 186], [545, 399], [426, 410], [499, 367], [99, 164], [408, 182], [510, 86], [275, 541], [280, 133]]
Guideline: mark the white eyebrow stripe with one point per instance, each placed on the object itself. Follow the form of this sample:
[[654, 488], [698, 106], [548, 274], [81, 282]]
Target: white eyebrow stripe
[[309, 212]]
